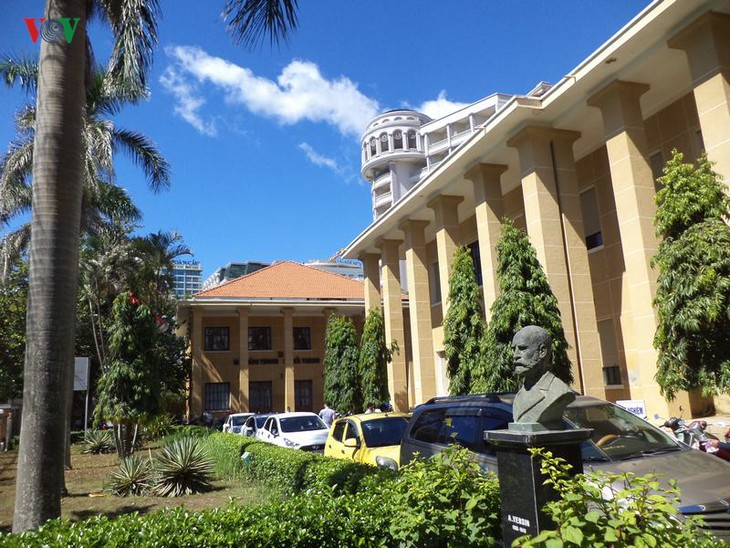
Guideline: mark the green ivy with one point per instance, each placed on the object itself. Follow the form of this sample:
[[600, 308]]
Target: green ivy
[[374, 357], [341, 383]]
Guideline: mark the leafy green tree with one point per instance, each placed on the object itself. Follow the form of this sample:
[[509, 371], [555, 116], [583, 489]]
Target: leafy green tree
[[341, 383], [13, 296], [375, 355], [693, 285], [129, 389], [464, 326], [525, 299]]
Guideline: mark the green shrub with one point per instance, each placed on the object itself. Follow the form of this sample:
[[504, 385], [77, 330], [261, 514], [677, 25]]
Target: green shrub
[[638, 512], [98, 441], [158, 427], [133, 477], [182, 468], [446, 500], [186, 431], [225, 452]]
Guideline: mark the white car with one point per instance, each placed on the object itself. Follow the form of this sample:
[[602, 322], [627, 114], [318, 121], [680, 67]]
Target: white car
[[305, 431], [235, 421]]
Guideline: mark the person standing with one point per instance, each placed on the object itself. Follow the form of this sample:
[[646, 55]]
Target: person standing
[[327, 414]]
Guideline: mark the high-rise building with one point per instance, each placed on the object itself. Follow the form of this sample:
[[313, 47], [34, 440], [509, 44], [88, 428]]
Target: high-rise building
[[232, 271], [186, 278]]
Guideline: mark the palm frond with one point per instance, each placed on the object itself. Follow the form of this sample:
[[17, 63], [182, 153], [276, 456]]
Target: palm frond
[[250, 21], [145, 154], [21, 70], [12, 246], [134, 26], [15, 170]]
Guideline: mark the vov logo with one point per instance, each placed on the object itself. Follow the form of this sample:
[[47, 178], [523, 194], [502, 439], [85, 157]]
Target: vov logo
[[52, 30]]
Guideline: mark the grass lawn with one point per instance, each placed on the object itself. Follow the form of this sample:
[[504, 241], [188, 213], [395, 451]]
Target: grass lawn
[[87, 498]]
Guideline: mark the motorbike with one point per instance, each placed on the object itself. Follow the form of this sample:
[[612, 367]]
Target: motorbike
[[695, 435]]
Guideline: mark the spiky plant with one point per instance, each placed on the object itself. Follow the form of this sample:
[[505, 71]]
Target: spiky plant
[[133, 477], [183, 468], [158, 427], [98, 441]]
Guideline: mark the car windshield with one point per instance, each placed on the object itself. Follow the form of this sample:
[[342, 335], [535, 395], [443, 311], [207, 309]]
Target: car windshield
[[385, 431], [238, 421], [302, 424], [260, 420], [617, 434]]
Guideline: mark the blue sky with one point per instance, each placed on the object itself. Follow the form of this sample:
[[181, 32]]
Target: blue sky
[[264, 144]]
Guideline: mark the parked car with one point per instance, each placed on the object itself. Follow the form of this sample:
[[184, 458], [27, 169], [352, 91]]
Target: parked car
[[253, 424], [298, 430], [372, 438], [621, 442], [234, 422]]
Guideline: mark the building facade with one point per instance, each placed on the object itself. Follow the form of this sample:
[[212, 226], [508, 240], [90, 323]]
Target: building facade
[[258, 342], [232, 271], [186, 278], [574, 164]]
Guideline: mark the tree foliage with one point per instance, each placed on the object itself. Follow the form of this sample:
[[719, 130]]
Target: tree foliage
[[13, 297], [693, 285], [341, 383], [375, 355], [525, 298], [464, 326], [129, 389]]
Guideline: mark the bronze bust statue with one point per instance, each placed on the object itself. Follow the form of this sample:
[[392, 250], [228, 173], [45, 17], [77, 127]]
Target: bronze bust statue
[[543, 397]]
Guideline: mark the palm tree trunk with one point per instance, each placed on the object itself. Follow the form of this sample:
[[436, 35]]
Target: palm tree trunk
[[54, 260]]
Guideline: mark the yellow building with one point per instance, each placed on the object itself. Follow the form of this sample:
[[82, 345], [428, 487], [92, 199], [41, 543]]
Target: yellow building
[[574, 164], [258, 342]]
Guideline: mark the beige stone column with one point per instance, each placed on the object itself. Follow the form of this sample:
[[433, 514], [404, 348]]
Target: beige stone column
[[243, 372], [419, 303], [371, 270], [545, 225], [445, 209], [706, 42], [394, 325], [633, 189], [489, 210], [197, 390], [289, 399]]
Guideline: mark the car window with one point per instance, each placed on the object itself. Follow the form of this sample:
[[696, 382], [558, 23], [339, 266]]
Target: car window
[[238, 421], [617, 434], [250, 422], [260, 421], [338, 430], [352, 430], [461, 425], [302, 424], [383, 432]]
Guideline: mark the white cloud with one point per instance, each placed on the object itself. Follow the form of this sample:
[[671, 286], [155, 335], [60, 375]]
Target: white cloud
[[188, 100], [299, 93], [440, 107]]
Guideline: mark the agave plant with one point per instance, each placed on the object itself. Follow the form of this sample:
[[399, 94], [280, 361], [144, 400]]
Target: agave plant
[[183, 468], [98, 441], [133, 477]]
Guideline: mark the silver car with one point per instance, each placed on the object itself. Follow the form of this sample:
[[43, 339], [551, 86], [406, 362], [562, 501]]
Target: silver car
[[621, 442]]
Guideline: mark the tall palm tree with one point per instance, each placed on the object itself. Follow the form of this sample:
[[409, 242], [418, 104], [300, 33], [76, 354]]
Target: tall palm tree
[[104, 203], [58, 177], [250, 21]]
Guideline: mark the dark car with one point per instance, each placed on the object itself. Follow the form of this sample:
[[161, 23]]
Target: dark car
[[621, 442]]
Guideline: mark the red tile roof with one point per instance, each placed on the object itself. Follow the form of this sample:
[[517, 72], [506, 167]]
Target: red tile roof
[[288, 280]]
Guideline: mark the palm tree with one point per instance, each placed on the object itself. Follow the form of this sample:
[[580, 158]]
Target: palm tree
[[249, 21], [104, 203], [58, 182]]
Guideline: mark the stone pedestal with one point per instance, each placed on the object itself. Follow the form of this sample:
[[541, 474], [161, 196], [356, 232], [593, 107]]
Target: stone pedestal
[[521, 486]]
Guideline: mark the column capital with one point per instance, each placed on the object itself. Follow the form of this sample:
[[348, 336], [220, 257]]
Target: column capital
[[381, 243], [243, 312], [529, 134], [617, 88], [410, 225], [482, 170], [706, 42], [287, 311], [444, 200]]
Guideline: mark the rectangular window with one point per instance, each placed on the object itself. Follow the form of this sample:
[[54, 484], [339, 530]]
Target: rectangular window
[[434, 283], [259, 338], [259, 397], [591, 219], [303, 396], [476, 258], [302, 338], [609, 353], [217, 339], [217, 396]]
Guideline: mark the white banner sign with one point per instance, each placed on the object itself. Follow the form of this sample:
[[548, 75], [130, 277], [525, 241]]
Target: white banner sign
[[81, 374]]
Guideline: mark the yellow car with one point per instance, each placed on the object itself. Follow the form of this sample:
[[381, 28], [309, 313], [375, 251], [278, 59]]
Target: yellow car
[[370, 438]]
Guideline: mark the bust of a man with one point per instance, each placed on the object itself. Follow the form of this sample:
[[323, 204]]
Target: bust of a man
[[543, 397]]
